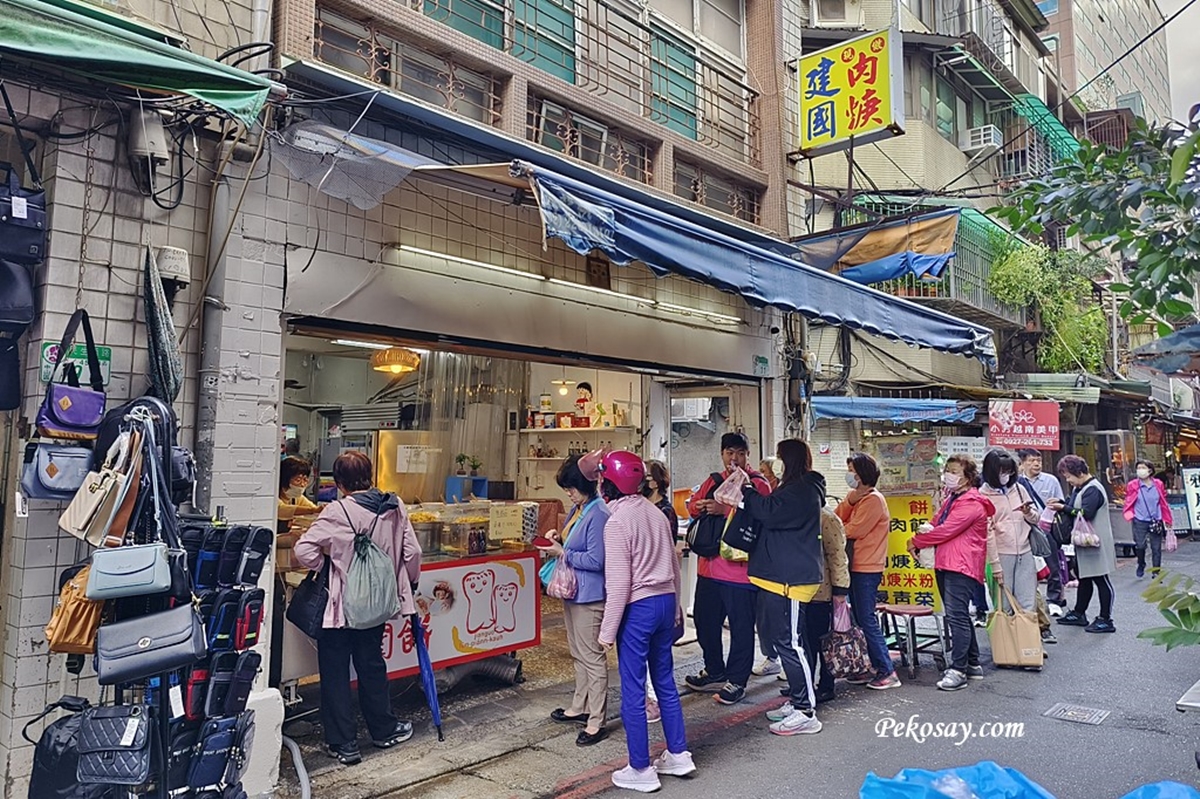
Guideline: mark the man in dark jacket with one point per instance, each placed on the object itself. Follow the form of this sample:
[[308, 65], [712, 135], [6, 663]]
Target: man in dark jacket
[[788, 565]]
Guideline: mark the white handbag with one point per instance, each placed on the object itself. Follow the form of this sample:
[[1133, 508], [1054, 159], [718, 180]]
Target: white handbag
[[90, 513]]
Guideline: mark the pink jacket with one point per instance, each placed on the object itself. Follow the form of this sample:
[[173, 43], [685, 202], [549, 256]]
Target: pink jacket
[[962, 540], [639, 560], [1131, 494], [719, 568], [332, 535]]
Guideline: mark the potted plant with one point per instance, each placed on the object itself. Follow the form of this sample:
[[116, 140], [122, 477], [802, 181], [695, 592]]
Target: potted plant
[[461, 459], [475, 465]]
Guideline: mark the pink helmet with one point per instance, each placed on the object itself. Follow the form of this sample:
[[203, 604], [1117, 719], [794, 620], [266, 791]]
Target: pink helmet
[[625, 470]]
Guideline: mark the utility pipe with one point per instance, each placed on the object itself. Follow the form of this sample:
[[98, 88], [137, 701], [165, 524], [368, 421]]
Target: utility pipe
[[212, 320]]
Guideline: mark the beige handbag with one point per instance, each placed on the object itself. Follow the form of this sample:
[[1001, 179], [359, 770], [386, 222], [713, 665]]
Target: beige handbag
[[1016, 639], [91, 513]]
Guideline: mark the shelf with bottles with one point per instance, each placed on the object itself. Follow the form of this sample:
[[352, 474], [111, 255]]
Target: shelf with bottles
[[580, 430]]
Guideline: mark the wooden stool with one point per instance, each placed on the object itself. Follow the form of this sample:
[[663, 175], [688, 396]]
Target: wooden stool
[[908, 642]]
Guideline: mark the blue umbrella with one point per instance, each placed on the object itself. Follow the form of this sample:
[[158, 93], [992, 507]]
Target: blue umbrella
[[427, 681]]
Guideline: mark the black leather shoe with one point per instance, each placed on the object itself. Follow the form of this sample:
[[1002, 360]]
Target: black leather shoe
[[586, 738], [403, 731], [560, 715], [346, 754]]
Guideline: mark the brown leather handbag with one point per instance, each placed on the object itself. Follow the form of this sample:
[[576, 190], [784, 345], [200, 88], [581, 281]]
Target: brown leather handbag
[[73, 625]]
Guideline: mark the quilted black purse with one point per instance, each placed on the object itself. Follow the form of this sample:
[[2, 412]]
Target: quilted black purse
[[115, 745]]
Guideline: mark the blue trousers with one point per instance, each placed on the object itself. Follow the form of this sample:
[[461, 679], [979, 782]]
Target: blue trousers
[[644, 639], [863, 588]]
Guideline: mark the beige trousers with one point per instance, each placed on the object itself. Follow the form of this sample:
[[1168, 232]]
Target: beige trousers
[[591, 663]]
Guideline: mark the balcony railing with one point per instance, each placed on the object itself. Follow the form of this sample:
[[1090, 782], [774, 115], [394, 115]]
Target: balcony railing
[[616, 51]]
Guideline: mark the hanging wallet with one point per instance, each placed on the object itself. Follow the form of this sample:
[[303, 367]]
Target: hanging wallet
[[137, 570], [210, 758], [223, 621], [248, 664], [249, 618], [231, 554], [255, 552], [220, 680], [208, 558], [142, 646], [114, 745], [239, 755], [195, 692]]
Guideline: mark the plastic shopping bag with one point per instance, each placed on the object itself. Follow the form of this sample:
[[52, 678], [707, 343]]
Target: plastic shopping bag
[[1164, 790], [985, 780], [729, 493], [1083, 534], [563, 584], [1171, 541]]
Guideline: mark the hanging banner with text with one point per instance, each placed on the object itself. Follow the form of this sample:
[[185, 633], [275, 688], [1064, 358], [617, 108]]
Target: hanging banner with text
[[1023, 423], [1191, 487], [852, 91], [904, 582]]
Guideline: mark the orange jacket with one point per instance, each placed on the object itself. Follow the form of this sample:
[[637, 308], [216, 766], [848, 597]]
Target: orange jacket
[[867, 526]]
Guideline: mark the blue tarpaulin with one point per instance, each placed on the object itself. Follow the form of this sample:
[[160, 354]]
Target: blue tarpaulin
[[919, 244], [586, 218], [894, 410]]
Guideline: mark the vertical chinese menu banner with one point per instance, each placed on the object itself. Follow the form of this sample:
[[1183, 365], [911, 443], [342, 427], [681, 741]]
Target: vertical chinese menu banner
[[852, 91], [904, 581]]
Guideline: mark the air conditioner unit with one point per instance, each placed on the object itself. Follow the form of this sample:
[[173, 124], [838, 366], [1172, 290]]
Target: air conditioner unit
[[984, 140]]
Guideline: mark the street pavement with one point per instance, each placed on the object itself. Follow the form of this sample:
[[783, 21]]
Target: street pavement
[[499, 743]]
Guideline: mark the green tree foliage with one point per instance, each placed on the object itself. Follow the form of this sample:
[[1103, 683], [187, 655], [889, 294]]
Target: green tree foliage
[[1139, 203], [1178, 600], [1057, 285]]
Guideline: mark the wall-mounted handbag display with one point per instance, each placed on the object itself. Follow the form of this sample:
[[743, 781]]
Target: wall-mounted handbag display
[[115, 745], [54, 471], [22, 211], [73, 625], [147, 645], [136, 570], [73, 411], [247, 668]]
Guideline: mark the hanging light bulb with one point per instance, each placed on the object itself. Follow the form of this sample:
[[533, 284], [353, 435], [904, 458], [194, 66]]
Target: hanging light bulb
[[395, 360]]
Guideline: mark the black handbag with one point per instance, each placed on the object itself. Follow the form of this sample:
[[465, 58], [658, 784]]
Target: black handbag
[[22, 211], [115, 745], [742, 531], [56, 754], [306, 610], [704, 532], [143, 646]]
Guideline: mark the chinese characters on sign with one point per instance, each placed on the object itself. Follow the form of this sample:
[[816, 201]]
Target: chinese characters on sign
[[903, 581], [907, 464], [1191, 488], [1023, 423], [850, 91]]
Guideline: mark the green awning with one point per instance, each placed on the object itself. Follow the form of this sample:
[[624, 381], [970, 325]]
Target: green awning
[[1063, 145], [54, 37]]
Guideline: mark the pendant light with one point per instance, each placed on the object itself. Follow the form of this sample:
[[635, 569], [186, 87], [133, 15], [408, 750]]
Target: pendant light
[[395, 360], [564, 385]]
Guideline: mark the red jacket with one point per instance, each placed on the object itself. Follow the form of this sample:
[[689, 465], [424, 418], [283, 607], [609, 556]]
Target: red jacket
[[962, 536], [1131, 494]]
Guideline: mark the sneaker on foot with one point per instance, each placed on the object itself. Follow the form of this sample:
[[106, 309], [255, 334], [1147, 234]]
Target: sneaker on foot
[[346, 754], [704, 682], [974, 672], [643, 780], [981, 619], [1141, 572], [1048, 637], [731, 694], [780, 713], [1074, 619], [766, 668], [653, 713], [952, 680], [675, 765], [798, 723], [403, 731], [884, 683], [1101, 626], [860, 679]]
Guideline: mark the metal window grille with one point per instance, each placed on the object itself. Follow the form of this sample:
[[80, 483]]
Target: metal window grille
[[715, 192], [564, 130]]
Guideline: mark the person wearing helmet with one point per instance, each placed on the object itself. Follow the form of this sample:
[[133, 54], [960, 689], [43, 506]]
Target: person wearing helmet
[[642, 616]]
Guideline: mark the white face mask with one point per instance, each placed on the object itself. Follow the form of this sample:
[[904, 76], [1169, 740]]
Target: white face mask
[[1004, 478], [951, 480], [295, 492], [1143, 473], [852, 480]]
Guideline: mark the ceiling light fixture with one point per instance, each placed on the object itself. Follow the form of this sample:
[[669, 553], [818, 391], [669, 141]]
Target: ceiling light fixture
[[597, 290], [366, 345], [713, 315], [468, 262], [395, 360]]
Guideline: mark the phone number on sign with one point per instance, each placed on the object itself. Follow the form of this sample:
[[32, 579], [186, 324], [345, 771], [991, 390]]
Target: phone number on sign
[[959, 731]]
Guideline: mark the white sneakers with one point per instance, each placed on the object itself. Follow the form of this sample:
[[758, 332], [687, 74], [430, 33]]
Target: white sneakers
[[767, 667], [646, 780], [790, 721]]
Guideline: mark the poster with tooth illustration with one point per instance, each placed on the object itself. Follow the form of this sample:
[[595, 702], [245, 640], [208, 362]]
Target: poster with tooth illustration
[[469, 609]]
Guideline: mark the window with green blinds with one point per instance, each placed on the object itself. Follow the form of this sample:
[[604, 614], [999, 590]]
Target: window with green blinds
[[673, 83], [544, 35]]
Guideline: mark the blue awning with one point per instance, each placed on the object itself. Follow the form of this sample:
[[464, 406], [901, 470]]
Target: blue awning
[[894, 410], [586, 218]]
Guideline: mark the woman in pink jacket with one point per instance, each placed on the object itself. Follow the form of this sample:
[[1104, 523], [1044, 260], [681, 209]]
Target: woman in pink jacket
[[362, 508], [960, 533], [1147, 509]]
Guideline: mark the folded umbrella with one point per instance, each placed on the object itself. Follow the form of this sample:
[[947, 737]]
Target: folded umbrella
[[427, 680]]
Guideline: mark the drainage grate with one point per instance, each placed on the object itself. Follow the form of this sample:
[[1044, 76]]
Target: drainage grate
[[1077, 713]]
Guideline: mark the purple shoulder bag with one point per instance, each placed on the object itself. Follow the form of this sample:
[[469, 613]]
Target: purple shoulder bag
[[69, 410]]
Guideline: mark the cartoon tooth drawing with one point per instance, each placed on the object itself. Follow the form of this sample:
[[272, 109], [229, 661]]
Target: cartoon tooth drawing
[[481, 600], [506, 608]]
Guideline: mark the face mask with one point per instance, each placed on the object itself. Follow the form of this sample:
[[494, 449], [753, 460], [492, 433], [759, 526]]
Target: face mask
[[295, 492], [951, 480], [1005, 477], [1143, 473], [852, 480]]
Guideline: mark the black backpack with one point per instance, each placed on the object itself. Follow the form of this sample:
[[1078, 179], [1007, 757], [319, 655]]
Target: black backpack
[[704, 533], [56, 755]]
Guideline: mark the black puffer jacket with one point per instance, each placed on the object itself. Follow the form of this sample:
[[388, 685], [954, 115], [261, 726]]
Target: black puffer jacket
[[789, 548]]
